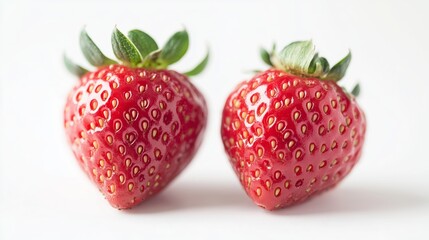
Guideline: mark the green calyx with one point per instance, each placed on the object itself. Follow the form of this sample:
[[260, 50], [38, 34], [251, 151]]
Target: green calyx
[[300, 58], [138, 50]]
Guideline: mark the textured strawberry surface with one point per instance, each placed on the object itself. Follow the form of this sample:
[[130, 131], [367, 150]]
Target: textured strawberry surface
[[133, 130], [290, 137]]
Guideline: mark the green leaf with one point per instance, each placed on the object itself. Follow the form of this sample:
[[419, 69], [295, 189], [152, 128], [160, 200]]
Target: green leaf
[[73, 68], [176, 47], [265, 55], [319, 66], [124, 49], [91, 52], [338, 71], [297, 57], [143, 42], [200, 67], [356, 90]]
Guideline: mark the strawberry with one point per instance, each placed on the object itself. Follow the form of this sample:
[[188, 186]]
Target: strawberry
[[291, 132], [133, 126]]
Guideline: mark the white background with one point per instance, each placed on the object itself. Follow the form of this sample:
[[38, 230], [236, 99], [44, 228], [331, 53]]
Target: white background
[[44, 195]]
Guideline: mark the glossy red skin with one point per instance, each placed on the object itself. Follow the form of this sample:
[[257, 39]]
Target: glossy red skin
[[175, 113], [290, 174]]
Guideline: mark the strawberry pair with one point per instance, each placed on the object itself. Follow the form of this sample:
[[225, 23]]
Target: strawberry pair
[[290, 132]]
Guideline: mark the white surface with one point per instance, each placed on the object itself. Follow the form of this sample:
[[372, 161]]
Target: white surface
[[43, 194]]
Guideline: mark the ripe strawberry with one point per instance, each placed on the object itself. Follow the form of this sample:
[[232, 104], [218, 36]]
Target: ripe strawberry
[[291, 131], [134, 126]]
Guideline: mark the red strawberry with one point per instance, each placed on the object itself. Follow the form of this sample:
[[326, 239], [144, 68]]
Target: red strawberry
[[134, 126], [291, 131]]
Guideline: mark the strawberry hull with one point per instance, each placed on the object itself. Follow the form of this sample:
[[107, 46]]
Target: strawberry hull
[[133, 130], [289, 138]]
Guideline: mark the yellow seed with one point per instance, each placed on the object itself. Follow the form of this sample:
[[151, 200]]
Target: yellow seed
[[268, 184], [144, 125], [109, 139], [236, 124], [155, 113], [127, 95], [281, 155], [100, 122], [109, 155], [303, 129], [101, 162], [258, 191], [277, 192], [243, 115], [136, 169], [323, 148], [284, 86], [287, 102], [296, 115], [258, 131], [325, 178], [334, 103], [322, 164], [309, 168], [297, 169], [251, 157], [139, 149], [301, 94], [114, 103], [109, 173], [291, 143], [342, 128], [95, 144], [151, 170], [105, 114], [295, 82], [312, 147], [92, 125], [157, 153], [287, 184], [117, 125], [154, 132], [254, 98], [112, 188], [277, 175], [129, 79], [309, 106], [270, 120], [130, 186], [318, 95], [260, 152], [277, 105], [273, 143], [314, 117], [325, 108], [257, 173], [127, 162], [121, 149], [251, 119], [286, 135], [330, 124], [348, 121], [321, 130], [298, 154], [145, 158], [280, 126], [236, 103], [333, 145]]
